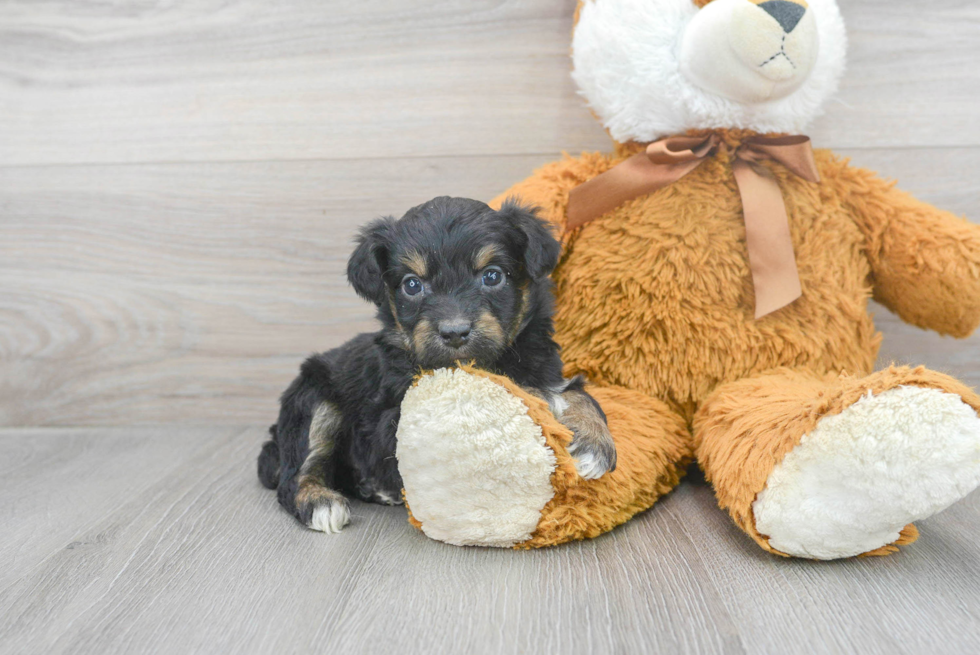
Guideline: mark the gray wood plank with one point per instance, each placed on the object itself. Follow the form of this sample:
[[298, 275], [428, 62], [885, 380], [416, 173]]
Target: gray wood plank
[[203, 560], [189, 292], [218, 81], [238, 80], [634, 591], [141, 294], [146, 294], [911, 78], [54, 483], [196, 562], [910, 602]]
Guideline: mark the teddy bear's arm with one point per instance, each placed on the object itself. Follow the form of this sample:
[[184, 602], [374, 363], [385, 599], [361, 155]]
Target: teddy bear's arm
[[925, 261], [548, 187]]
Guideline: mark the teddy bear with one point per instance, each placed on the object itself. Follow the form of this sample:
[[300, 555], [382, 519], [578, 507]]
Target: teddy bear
[[714, 288]]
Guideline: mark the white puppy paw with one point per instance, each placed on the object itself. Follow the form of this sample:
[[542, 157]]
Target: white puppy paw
[[330, 517]]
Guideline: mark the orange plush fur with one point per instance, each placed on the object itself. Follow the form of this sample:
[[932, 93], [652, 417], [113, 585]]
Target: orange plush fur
[[653, 451], [655, 305], [656, 296], [748, 426]]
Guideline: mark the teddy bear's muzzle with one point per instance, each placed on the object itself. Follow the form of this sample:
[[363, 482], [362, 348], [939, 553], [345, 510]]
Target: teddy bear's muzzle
[[751, 51]]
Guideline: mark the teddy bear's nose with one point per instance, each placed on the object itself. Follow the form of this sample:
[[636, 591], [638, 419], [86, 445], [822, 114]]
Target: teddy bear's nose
[[786, 13]]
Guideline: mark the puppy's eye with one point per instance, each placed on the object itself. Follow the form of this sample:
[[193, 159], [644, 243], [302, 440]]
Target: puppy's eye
[[411, 285], [493, 276]]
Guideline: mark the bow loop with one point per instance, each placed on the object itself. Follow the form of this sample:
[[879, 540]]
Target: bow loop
[[681, 149], [768, 240], [793, 151]]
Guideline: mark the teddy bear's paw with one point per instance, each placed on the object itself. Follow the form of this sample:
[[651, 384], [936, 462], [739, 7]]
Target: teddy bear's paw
[[851, 485], [476, 467]]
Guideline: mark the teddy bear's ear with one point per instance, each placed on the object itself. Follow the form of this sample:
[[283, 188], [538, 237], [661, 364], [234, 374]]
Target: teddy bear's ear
[[366, 266], [540, 248]]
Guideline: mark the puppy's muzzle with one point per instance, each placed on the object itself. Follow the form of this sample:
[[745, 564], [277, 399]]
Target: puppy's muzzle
[[455, 333]]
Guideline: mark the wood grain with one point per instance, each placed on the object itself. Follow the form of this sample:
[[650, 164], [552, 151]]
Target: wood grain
[[219, 81], [56, 481], [144, 294], [179, 185], [188, 281], [907, 603], [209, 80], [203, 560]]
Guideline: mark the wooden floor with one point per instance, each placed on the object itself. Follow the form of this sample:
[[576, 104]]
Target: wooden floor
[[179, 184], [160, 540]]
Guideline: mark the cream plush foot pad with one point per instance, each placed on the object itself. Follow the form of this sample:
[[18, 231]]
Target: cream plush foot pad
[[862, 475], [475, 466]]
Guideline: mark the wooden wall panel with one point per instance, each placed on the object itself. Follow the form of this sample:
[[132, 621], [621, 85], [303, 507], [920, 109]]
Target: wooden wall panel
[[180, 182], [203, 80], [145, 294]]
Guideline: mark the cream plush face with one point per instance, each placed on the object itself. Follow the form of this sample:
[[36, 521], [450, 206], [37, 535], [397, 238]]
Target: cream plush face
[[749, 52], [652, 68]]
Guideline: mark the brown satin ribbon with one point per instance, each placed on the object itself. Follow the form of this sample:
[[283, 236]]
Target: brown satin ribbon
[[771, 259]]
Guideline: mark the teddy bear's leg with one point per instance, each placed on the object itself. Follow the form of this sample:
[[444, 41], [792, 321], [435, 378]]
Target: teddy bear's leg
[[831, 468], [654, 449], [486, 463]]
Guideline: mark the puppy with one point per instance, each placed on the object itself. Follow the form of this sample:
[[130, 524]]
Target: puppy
[[453, 281]]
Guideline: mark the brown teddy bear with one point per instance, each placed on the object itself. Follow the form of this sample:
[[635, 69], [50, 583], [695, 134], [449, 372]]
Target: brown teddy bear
[[714, 289]]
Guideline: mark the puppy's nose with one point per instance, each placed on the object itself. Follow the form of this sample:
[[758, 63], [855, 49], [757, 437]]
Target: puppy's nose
[[455, 332], [786, 13]]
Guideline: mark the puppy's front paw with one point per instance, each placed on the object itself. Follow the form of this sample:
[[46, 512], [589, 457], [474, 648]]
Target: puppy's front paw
[[594, 453], [330, 517], [592, 445], [323, 509]]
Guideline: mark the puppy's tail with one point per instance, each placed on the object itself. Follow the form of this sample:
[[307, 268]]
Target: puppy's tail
[[269, 462]]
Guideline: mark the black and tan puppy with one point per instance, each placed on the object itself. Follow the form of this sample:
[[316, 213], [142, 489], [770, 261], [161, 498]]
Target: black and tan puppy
[[453, 280]]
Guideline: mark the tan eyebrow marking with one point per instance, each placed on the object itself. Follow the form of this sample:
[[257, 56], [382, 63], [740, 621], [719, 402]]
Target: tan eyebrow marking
[[415, 262], [485, 255]]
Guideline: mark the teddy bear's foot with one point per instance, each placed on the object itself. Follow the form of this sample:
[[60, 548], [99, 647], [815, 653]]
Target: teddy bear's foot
[[486, 463], [475, 465], [832, 468], [861, 476]]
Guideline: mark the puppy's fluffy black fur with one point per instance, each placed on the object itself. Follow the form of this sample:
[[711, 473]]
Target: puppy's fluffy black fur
[[453, 280]]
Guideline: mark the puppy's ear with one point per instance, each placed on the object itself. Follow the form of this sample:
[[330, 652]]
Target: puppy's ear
[[367, 265], [541, 249]]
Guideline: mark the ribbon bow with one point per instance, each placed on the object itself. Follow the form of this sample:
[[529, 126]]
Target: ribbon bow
[[771, 259]]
